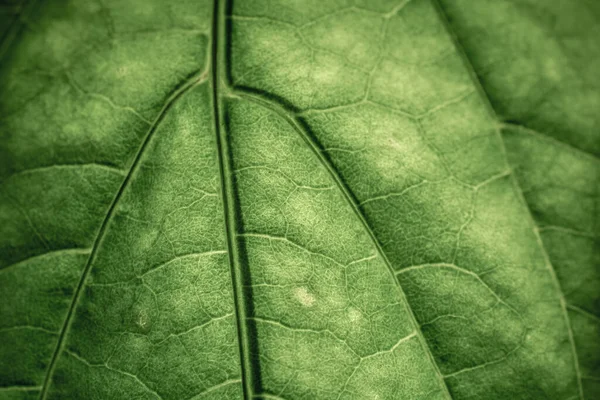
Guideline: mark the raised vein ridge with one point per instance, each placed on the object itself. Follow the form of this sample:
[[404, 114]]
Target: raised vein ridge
[[218, 78]]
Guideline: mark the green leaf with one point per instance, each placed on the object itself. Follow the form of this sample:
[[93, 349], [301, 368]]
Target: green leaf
[[326, 199]]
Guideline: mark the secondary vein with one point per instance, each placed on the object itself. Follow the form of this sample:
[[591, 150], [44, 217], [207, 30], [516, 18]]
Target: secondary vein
[[194, 80], [518, 190], [350, 199]]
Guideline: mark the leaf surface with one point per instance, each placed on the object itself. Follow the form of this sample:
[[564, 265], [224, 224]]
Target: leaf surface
[[298, 200]]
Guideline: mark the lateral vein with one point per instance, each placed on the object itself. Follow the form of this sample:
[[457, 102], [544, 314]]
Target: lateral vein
[[194, 80], [352, 202], [518, 190]]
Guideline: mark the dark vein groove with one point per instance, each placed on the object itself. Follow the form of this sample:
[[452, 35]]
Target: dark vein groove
[[524, 129], [16, 26], [238, 277], [178, 92], [518, 190], [301, 127], [49, 253]]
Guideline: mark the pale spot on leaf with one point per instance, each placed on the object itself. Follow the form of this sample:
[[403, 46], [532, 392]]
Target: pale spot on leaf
[[304, 297]]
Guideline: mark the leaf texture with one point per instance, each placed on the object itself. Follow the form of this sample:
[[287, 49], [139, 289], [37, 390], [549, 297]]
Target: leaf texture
[[299, 200]]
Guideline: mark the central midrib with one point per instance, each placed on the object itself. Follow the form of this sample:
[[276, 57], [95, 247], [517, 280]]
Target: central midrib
[[218, 79]]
